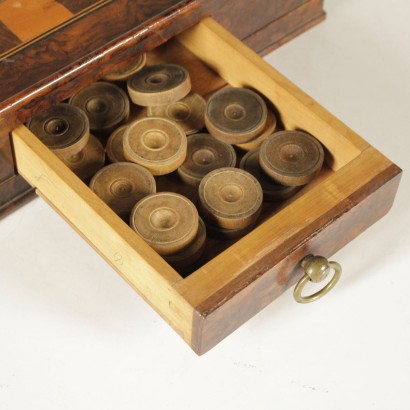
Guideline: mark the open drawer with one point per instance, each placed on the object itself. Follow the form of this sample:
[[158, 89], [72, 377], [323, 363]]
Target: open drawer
[[356, 188]]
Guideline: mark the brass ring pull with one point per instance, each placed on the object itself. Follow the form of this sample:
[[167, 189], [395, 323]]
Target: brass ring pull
[[316, 268]]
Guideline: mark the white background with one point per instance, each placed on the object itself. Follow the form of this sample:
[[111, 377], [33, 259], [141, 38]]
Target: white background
[[73, 335]]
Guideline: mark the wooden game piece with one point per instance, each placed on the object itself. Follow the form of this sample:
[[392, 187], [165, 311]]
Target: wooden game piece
[[159, 84], [167, 221], [121, 185], [63, 128], [272, 190], [88, 161], [291, 157], [227, 234], [188, 112], [106, 105], [189, 255], [127, 70], [269, 129], [235, 115], [230, 198], [115, 145], [155, 143], [204, 154]]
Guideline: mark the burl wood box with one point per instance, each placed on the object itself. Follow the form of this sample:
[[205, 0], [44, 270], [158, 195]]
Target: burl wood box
[[356, 187]]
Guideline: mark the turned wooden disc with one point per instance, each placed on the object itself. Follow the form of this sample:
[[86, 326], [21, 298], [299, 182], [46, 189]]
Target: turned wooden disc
[[235, 115], [168, 222], [204, 154], [88, 161], [188, 113], [122, 185], [159, 84], [269, 129], [291, 157], [189, 255], [106, 105], [62, 128], [128, 69], [272, 190], [227, 234], [115, 145], [155, 143], [230, 198]]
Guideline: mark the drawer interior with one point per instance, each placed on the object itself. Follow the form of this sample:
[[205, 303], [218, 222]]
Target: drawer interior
[[214, 59]]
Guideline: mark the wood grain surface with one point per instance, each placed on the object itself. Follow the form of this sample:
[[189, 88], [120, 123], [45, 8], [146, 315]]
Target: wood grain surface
[[46, 45]]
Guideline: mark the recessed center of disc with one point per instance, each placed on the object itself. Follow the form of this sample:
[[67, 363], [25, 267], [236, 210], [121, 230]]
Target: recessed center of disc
[[231, 193], [56, 126], [164, 219], [234, 112], [155, 140], [96, 105], [203, 156], [291, 152], [121, 188]]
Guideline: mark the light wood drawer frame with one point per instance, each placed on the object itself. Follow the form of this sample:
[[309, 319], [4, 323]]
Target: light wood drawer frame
[[235, 285]]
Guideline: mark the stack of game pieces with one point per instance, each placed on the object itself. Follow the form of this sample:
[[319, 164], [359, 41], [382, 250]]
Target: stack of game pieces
[[239, 116], [121, 185], [170, 224], [107, 107], [65, 130], [230, 201]]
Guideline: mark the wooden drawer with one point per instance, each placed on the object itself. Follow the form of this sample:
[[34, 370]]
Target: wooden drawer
[[355, 189]]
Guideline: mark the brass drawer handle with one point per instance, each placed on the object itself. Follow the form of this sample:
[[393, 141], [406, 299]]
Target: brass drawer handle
[[316, 268]]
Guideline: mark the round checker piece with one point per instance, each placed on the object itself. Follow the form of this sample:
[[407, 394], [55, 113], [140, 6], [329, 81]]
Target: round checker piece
[[122, 185], [269, 129], [204, 154], [167, 221], [235, 115], [127, 70], [88, 161], [62, 128], [228, 234], [230, 198], [291, 157], [187, 113], [107, 106], [189, 255], [155, 143], [115, 145], [159, 84], [272, 190]]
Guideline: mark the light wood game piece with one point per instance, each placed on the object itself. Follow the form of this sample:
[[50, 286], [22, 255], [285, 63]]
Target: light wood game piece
[[106, 105], [204, 154], [122, 185], [235, 115], [189, 255], [159, 84], [291, 157], [167, 221], [88, 161], [269, 129], [227, 234], [155, 143], [188, 113], [272, 190], [63, 128], [115, 145], [230, 198], [127, 70]]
